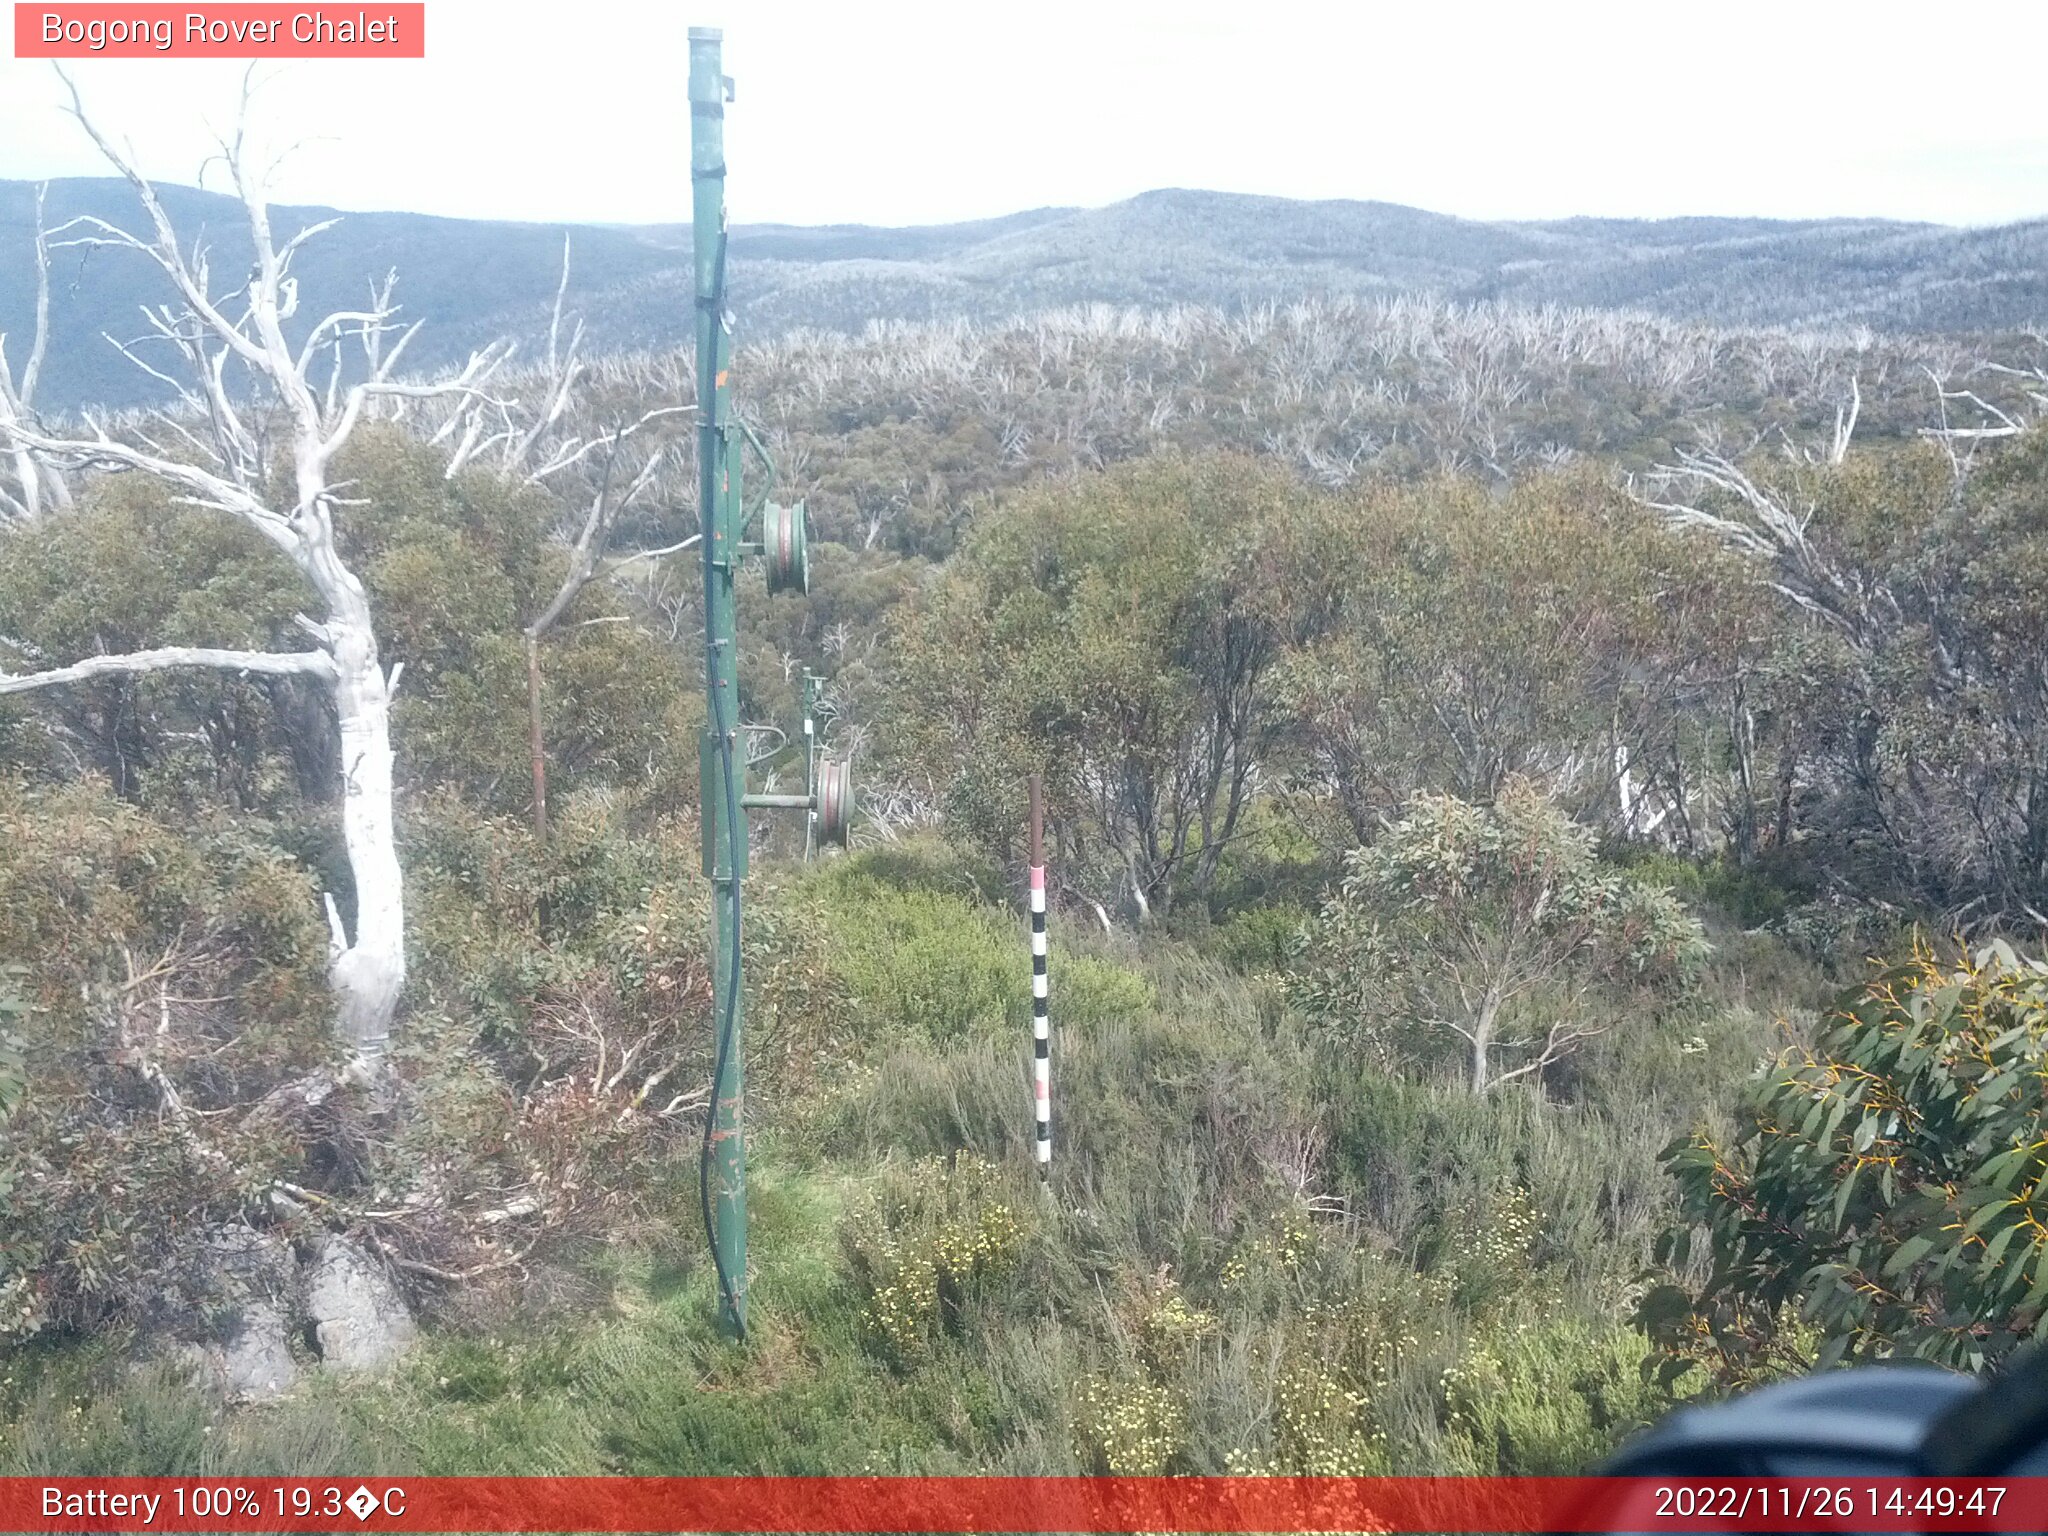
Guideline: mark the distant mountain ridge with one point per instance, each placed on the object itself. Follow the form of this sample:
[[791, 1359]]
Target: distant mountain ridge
[[473, 280]]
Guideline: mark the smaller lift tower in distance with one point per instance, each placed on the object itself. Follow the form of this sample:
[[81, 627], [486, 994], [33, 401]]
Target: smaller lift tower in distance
[[827, 800]]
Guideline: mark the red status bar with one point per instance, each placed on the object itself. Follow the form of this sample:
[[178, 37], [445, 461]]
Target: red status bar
[[1021, 1504]]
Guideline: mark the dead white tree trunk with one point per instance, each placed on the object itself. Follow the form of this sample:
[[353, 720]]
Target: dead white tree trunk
[[223, 461], [580, 467], [1754, 520], [23, 500]]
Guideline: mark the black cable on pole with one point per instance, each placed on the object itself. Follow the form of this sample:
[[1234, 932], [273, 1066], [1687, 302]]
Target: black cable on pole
[[725, 1034], [733, 823]]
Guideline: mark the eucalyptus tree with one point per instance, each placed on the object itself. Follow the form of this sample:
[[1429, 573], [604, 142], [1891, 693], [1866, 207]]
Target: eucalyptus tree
[[1876, 1197], [1545, 630], [1121, 632], [253, 431], [1904, 695], [1492, 928], [599, 467]]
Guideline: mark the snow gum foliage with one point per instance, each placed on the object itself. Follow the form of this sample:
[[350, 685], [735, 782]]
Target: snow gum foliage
[[1122, 632], [1883, 1188], [128, 572], [456, 568], [1495, 926]]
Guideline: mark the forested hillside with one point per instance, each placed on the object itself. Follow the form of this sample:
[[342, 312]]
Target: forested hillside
[[1527, 788], [476, 280]]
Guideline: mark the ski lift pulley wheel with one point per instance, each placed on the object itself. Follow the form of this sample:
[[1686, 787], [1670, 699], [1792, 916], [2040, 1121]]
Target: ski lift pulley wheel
[[835, 800], [785, 544]]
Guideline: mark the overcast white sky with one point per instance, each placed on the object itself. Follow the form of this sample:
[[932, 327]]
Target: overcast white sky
[[897, 111]]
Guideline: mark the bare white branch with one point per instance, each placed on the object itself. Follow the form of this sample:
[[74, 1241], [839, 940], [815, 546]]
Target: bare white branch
[[23, 501], [222, 459], [272, 663]]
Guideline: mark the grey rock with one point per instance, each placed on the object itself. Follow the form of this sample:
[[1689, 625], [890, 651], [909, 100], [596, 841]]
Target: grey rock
[[360, 1321], [248, 1262], [251, 1356], [255, 1362]]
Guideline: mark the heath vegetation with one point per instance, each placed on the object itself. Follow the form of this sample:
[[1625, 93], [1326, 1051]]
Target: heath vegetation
[[1548, 817]]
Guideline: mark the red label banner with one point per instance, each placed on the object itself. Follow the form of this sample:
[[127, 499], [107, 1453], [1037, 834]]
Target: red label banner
[[222, 31], [1021, 1504]]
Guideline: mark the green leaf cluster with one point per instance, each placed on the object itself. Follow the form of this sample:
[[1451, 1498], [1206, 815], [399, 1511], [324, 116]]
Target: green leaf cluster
[[1886, 1187], [1494, 925]]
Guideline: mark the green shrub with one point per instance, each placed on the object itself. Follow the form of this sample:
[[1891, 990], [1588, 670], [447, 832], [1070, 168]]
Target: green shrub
[[921, 864], [17, 1306], [1490, 935], [1547, 1396], [1128, 1427], [925, 966], [1845, 933], [176, 981], [1268, 1255], [1412, 1153], [1321, 1427], [1338, 1364], [923, 1242], [1259, 941], [1483, 1243], [928, 965], [1749, 896], [1880, 1184]]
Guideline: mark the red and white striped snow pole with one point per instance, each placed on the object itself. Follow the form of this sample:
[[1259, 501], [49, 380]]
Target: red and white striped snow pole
[[1041, 1021]]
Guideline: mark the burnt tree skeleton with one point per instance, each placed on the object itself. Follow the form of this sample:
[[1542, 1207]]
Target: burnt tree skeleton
[[591, 469], [22, 502], [221, 460]]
